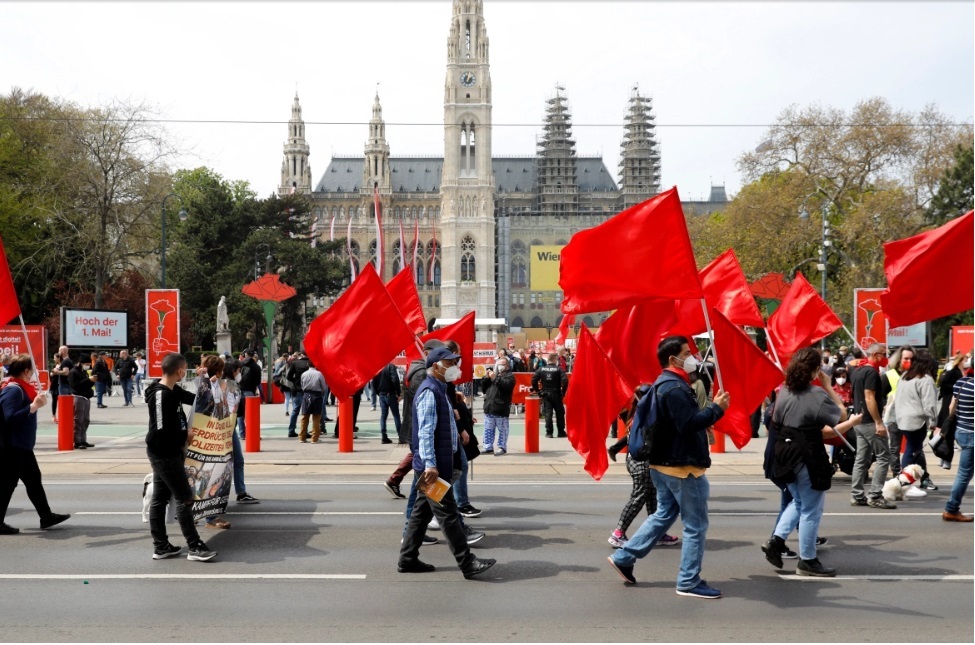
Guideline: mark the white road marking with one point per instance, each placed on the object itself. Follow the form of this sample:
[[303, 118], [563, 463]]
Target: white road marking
[[261, 513], [920, 578], [372, 482], [183, 576]]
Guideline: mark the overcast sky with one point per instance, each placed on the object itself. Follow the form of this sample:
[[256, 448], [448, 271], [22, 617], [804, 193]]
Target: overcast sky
[[709, 67]]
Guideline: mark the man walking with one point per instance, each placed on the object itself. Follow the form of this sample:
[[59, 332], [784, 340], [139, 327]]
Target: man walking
[[250, 383], [103, 376], [678, 461], [298, 368], [553, 382], [312, 403], [387, 385], [126, 368], [61, 371], [869, 399]]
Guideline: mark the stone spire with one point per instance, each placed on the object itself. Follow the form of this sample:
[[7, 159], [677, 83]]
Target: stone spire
[[557, 191], [640, 152], [375, 170], [295, 169]]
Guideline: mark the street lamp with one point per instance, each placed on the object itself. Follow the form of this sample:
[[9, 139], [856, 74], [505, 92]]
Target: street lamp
[[804, 216], [162, 250], [257, 263]]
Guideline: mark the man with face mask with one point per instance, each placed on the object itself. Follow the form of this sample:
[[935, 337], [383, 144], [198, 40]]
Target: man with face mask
[[434, 443], [869, 399], [498, 388]]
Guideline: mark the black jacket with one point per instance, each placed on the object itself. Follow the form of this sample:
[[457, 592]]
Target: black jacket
[[681, 438], [497, 394], [415, 374], [298, 367], [126, 368], [80, 382], [250, 375], [100, 369], [167, 421], [387, 381], [550, 379]]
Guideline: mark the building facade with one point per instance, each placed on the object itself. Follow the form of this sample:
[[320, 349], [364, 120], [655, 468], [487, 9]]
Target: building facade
[[478, 218]]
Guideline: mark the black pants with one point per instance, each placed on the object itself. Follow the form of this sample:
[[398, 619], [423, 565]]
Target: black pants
[[21, 465], [450, 523], [169, 480], [552, 401]]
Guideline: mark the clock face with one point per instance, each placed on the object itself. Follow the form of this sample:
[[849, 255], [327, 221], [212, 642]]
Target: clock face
[[467, 79]]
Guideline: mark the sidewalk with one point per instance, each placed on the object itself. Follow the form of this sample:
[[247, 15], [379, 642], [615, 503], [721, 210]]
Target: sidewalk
[[118, 434]]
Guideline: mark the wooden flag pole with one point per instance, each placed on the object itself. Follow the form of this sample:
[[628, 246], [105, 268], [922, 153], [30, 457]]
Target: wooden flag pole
[[717, 366]]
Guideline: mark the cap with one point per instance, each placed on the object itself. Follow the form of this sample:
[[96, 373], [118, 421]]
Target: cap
[[432, 343], [250, 352], [440, 354]]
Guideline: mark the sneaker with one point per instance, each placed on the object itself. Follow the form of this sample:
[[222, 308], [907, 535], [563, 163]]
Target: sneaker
[[387, 440], [500, 452], [858, 501], [472, 535], [80, 446], [702, 590], [562, 435], [617, 539], [487, 449], [667, 540], [773, 548], [789, 554], [814, 568], [820, 541], [53, 520], [434, 524], [200, 553], [394, 490], [927, 484], [469, 511], [913, 492], [880, 502], [167, 551], [244, 498], [429, 540], [625, 572]]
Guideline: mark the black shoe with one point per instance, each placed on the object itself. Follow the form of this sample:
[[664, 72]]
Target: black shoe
[[327, 420], [814, 568], [562, 435], [548, 435], [167, 551], [820, 541], [103, 406], [89, 445], [613, 450], [414, 566], [625, 572], [6, 529], [477, 566], [244, 498], [53, 520], [80, 446], [387, 440], [469, 511], [394, 490], [292, 435], [773, 548]]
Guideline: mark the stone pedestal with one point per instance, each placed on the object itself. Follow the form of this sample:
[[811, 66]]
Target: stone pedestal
[[224, 343]]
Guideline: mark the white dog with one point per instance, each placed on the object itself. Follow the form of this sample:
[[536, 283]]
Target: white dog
[[147, 487], [905, 484]]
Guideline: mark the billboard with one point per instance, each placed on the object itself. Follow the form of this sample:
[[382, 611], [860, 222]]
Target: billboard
[[12, 343], [962, 339], [162, 328], [870, 324], [544, 268], [94, 328]]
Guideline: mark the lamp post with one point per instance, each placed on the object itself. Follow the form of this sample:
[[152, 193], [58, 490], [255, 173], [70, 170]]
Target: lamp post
[[804, 215], [257, 263], [162, 249]]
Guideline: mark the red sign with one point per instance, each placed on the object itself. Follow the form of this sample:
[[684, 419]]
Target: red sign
[[162, 328], [485, 355], [870, 324], [962, 339], [523, 386], [12, 343]]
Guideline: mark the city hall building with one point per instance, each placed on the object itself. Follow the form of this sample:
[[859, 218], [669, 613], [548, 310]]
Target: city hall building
[[490, 228]]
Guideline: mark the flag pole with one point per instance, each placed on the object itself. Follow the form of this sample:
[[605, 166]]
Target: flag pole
[[717, 366], [771, 346], [30, 351], [843, 439], [853, 338]]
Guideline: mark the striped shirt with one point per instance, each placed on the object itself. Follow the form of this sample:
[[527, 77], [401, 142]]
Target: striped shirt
[[965, 393], [426, 420]]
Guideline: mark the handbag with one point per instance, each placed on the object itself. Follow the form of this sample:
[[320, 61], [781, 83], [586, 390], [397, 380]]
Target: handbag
[[943, 443]]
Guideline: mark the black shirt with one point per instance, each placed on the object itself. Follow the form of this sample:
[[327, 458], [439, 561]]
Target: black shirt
[[867, 377]]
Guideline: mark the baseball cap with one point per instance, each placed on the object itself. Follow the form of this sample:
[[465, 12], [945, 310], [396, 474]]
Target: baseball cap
[[440, 354]]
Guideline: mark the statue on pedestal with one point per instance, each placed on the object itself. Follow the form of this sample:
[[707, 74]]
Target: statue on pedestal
[[223, 320]]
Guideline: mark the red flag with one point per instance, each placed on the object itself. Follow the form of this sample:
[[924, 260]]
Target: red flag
[[564, 325], [596, 395], [462, 333], [402, 289], [930, 275], [9, 305], [643, 252], [802, 319], [630, 338], [725, 289], [358, 335], [433, 256], [749, 377], [380, 247]]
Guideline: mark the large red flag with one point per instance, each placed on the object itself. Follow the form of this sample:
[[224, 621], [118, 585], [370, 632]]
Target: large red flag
[[596, 395], [402, 289], [462, 333], [630, 338], [358, 335], [727, 290], [643, 252], [9, 305], [930, 275], [749, 377], [564, 325], [802, 319]]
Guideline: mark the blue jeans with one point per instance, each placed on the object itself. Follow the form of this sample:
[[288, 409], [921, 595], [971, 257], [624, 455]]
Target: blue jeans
[[385, 408], [295, 411], [788, 514], [915, 444], [808, 504], [126, 390], [241, 428], [687, 497], [965, 441], [64, 389], [239, 486], [460, 486], [138, 384], [100, 389]]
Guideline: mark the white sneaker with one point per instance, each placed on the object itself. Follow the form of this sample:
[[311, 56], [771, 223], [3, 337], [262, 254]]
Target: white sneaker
[[434, 524], [915, 493]]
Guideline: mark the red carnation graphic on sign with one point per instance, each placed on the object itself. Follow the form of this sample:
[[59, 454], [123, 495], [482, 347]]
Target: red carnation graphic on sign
[[771, 286], [269, 287]]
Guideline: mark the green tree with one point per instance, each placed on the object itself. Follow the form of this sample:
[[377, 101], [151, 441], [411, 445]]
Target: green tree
[[956, 192]]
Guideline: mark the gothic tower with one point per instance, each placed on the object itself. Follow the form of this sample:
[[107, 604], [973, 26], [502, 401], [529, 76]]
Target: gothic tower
[[375, 170], [467, 182], [639, 154], [557, 193], [295, 171]]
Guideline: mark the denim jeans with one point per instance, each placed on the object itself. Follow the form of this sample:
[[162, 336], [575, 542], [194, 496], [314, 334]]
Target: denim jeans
[[868, 443], [687, 497], [965, 441], [808, 504], [239, 486], [100, 389], [138, 384], [126, 390], [460, 486], [385, 408], [915, 445], [169, 480], [295, 411], [788, 514]]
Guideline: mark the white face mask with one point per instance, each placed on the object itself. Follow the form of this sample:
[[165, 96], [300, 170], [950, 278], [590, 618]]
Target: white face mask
[[500, 368], [237, 378], [690, 364], [967, 364], [451, 373], [840, 381]]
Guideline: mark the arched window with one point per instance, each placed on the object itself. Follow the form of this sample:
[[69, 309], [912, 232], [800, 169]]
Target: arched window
[[589, 322], [537, 322], [434, 265], [372, 253], [467, 261], [519, 273], [518, 247], [418, 269], [517, 322]]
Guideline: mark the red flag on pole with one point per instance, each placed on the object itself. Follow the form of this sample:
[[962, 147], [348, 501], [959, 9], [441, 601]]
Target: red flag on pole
[[802, 319], [402, 289], [643, 252], [751, 376], [564, 325], [597, 393], [630, 338], [930, 275], [725, 289], [462, 333], [380, 247], [9, 305], [358, 335]]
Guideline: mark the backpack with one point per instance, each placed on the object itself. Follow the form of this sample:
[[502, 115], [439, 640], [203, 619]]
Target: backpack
[[645, 422]]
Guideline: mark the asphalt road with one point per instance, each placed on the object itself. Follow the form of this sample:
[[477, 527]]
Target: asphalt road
[[316, 561]]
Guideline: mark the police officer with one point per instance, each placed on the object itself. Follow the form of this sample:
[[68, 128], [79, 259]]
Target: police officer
[[551, 382]]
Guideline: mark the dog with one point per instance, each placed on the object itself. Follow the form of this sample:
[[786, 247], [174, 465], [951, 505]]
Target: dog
[[905, 484], [147, 486]]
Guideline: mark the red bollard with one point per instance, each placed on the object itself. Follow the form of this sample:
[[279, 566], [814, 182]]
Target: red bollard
[[531, 423], [718, 447], [345, 425], [252, 423], [903, 445], [66, 422]]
